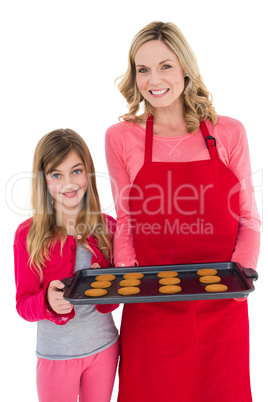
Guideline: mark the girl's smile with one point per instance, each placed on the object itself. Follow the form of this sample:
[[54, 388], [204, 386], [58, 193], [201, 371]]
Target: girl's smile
[[70, 194]]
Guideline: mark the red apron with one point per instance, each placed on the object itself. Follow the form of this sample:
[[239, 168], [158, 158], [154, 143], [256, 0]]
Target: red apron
[[193, 351]]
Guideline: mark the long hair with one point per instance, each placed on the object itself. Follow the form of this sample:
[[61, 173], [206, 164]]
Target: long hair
[[197, 99], [50, 152]]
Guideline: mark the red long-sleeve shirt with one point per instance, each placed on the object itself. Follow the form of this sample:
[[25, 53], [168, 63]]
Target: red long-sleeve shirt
[[31, 300]]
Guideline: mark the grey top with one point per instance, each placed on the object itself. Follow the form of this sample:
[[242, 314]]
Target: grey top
[[88, 333]]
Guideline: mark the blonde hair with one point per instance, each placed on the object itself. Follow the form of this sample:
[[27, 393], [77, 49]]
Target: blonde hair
[[197, 99], [50, 152]]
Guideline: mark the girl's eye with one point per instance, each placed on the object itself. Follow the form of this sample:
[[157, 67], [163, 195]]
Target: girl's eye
[[55, 176], [166, 66], [77, 171]]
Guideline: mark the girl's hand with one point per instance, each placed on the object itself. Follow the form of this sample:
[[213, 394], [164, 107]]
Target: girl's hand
[[95, 265], [55, 298]]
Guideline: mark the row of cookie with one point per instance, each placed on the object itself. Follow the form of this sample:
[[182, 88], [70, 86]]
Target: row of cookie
[[167, 279], [209, 277], [170, 282], [98, 288], [128, 284]]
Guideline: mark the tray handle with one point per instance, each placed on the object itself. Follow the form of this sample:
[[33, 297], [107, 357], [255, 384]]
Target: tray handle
[[250, 273]]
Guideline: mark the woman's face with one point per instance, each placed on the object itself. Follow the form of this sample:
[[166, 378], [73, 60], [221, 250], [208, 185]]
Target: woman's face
[[159, 75], [67, 184]]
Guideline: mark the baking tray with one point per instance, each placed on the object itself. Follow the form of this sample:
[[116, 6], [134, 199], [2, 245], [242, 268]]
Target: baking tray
[[238, 279]]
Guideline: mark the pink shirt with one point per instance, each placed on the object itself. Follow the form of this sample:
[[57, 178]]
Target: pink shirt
[[125, 156]]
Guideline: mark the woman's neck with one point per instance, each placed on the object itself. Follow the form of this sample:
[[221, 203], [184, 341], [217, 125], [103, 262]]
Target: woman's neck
[[169, 121]]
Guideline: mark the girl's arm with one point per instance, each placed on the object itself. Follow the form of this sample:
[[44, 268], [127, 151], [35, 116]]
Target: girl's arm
[[31, 297]]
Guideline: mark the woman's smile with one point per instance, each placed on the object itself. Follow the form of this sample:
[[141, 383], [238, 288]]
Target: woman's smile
[[159, 92]]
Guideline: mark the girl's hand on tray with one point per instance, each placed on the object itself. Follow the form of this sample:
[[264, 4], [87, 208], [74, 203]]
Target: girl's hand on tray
[[55, 298], [95, 265]]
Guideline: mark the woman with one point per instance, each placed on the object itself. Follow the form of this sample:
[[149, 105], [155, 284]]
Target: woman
[[181, 183]]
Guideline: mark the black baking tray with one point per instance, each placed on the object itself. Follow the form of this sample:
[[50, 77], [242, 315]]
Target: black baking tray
[[238, 279]]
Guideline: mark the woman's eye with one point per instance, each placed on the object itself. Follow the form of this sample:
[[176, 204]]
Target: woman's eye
[[77, 171], [142, 70], [166, 66]]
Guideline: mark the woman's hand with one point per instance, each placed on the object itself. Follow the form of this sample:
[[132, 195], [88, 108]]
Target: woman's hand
[[95, 265], [55, 298], [241, 299]]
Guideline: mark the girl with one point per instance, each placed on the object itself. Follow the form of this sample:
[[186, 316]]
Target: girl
[[168, 176], [77, 348]]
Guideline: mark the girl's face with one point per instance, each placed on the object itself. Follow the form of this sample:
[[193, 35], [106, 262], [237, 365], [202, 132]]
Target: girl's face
[[159, 75], [67, 184]]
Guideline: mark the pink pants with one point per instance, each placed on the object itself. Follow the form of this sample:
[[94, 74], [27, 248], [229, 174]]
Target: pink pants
[[91, 377]]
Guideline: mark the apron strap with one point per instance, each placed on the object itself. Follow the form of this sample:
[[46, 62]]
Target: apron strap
[[149, 139], [209, 140]]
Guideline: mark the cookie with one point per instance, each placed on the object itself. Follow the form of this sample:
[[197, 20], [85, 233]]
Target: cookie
[[101, 284], [169, 281], [105, 277], [167, 274], [127, 291], [210, 279], [95, 292], [170, 289], [207, 271], [130, 282], [133, 275], [216, 288]]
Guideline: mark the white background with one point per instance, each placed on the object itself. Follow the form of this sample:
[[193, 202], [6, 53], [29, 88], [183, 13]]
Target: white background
[[59, 60]]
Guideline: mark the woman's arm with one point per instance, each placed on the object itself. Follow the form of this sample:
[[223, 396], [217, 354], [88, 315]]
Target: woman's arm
[[124, 254], [247, 246], [108, 308]]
